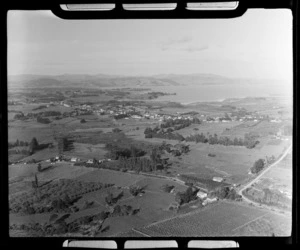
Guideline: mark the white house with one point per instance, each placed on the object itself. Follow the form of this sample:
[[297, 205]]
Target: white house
[[136, 117], [201, 195], [210, 200], [218, 179], [74, 159], [90, 161]]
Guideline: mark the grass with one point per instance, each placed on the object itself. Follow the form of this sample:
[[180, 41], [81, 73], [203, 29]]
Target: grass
[[267, 225], [109, 176], [219, 219]]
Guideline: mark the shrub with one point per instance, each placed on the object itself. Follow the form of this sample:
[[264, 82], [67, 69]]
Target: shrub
[[257, 166], [167, 188], [135, 190]]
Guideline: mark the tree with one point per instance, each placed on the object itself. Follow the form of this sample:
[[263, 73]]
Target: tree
[[148, 131], [39, 167], [33, 145], [155, 155], [82, 121], [64, 144], [258, 166], [167, 188], [135, 190], [35, 183]]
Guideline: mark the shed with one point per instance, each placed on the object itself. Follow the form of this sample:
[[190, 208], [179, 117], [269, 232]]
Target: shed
[[218, 179], [201, 195], [74, 159]]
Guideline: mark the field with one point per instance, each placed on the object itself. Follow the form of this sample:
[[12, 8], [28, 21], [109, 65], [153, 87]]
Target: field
[[153, 215], [275, 187], [221, 219], [108, 176], [230, 162]]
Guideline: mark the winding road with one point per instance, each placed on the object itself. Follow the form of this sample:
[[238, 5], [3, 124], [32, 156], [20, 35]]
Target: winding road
[[240, 192]]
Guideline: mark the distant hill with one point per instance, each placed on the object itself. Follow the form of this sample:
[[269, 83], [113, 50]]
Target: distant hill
[[102, 80], [87, 81]]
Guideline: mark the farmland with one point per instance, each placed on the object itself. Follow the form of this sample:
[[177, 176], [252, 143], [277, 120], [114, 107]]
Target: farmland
[[275, 187], [76, 154], [221, 219]]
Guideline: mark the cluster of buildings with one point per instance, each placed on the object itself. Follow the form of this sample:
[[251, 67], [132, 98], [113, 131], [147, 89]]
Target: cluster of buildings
[[254, 118]]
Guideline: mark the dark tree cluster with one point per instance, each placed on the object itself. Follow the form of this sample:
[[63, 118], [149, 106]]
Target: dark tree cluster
[[43, 120], [33, 146], [167, 188], [120, 116], [40, 107], [149, 133], [110, 199], [249, 140], [136, 190], [185, 197], [116, 152], [40, 116], [18, 143], [226, 193], [179, 123], [64, 144], [258, 166], [141, 164], [123, 210]]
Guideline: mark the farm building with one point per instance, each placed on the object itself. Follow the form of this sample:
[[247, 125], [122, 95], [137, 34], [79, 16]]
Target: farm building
[[201, 195], [74, 159], [90, 161], [218, 179], [209, 200]]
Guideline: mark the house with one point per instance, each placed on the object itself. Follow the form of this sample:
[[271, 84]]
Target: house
[[209, 200], [201, 195], [90, 161], [218, 179], [74, 159], [136, 117]]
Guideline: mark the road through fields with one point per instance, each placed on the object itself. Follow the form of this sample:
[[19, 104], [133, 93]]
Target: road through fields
[[240, 192]]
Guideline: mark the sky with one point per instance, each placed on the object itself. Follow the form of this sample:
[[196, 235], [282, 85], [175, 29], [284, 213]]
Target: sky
[[256, 45]]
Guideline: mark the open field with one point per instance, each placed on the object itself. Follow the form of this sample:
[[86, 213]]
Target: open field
[[267, 225], [153, 216], [58, 171], [220, 219], [109, 176]]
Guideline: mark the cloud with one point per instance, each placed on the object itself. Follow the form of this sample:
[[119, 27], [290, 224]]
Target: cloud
[[174, 42], [185, 43], [195, 48]]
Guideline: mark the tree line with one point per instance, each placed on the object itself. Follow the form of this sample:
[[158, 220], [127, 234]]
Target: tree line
[[249, 140], [17, 143]]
